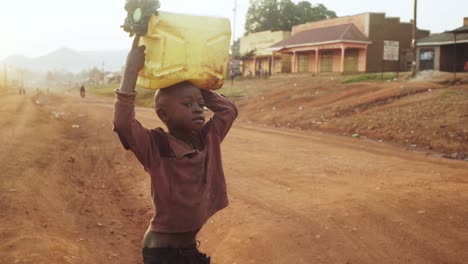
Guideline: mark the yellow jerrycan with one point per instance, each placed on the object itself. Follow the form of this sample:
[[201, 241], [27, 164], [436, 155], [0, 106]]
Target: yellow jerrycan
[[182, 47]]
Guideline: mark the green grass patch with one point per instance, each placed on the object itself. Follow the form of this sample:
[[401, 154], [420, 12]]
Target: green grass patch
[[145, 97], [103, 90], [371, 77]]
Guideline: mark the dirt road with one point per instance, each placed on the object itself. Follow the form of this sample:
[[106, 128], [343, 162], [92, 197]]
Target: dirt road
[[69, 193]]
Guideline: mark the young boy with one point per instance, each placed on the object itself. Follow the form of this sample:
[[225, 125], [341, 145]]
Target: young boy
[[184, 164]]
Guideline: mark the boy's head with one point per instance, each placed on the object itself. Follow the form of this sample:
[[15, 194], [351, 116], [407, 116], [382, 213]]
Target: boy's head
[[180, 107]]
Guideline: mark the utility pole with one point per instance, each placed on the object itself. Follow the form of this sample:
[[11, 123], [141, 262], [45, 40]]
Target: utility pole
[[234, 22], [231, 62], [413, 42], [102, 72], [5, 76]]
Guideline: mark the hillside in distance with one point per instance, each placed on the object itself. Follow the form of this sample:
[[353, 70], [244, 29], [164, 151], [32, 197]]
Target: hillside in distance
[[69, 60]]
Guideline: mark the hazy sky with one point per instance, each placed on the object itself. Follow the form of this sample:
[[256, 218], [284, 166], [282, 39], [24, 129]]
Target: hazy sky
[[35, 27]]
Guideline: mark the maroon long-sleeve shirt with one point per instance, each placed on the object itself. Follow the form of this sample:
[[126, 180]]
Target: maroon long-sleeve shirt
[[187, 185]]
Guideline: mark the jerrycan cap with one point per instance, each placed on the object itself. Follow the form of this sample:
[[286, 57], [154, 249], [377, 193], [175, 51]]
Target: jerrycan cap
[[139, 13]]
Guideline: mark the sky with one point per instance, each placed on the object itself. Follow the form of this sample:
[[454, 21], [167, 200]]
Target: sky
[[34, 28]]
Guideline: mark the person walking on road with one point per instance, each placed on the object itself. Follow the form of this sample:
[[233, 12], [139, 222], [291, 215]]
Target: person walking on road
[[82, 91]]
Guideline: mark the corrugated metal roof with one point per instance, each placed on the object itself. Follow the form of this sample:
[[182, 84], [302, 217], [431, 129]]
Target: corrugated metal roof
[[460, 30], [442, 39], [339, 33]]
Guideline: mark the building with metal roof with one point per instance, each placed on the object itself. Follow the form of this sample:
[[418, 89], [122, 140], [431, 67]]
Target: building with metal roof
[[446, 51]]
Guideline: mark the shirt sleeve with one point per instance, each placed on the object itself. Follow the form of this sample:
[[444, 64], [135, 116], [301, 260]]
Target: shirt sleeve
[[132, 134], [225, 112]]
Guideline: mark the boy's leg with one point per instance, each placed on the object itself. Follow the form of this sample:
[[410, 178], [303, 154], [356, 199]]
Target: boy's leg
[[174, 256], [202, 258], [155, 256], [194, 256]]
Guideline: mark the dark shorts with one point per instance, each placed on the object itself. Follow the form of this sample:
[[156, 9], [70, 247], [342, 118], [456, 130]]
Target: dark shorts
[[188, 255]]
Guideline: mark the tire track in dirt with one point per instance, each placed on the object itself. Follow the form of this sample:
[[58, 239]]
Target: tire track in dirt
[[54, 187], [25, 199], [378, 102]]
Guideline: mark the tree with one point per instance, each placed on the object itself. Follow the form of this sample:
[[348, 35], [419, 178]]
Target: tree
[[289, 15], [276, 15], [262, 15]]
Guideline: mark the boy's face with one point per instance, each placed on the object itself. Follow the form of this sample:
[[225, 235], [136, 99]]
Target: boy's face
[[181, 109]]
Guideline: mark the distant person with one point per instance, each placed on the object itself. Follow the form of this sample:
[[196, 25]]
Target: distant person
[[22, 90], [184, 163], [82, 91], [260, 72], [232, 75]]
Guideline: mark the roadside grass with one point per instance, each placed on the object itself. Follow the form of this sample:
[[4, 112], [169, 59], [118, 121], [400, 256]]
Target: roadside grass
[[371, 77], [103, 90], [145, 97]]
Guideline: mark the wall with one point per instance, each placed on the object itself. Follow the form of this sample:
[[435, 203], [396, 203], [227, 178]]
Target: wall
[[312, 62], [336, 60], [282, 63], [362, 60], [285, 63], [247, 67], [261, 41], [437, 58], [447, 57], [382, 28]]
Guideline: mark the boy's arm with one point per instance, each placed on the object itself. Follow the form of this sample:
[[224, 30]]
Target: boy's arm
[[134, 64], [131, 133], [225, 112]]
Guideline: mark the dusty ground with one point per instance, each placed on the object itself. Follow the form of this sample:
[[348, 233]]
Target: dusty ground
[[69, 193]]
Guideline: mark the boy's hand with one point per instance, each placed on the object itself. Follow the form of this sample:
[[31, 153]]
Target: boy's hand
[[135, 59], [135, 62]]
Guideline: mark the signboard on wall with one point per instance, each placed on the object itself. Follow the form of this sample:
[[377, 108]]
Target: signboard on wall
[[426, 55], [391, 50]]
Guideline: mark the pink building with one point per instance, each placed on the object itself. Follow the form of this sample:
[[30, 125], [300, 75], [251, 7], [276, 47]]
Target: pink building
[[328, 49], [369, 42]]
